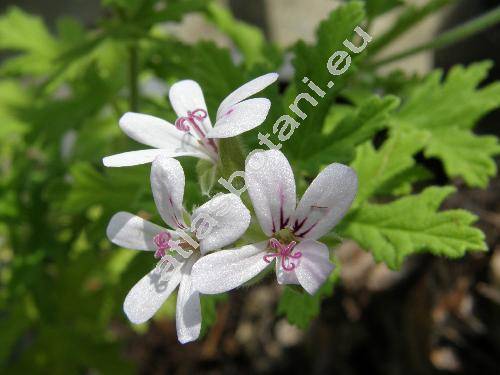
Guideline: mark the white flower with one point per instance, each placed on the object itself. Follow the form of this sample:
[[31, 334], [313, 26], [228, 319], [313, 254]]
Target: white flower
[[292, 229], [228, 219], [193, 134]]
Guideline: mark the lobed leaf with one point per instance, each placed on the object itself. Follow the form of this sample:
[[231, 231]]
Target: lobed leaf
[[412, 225]]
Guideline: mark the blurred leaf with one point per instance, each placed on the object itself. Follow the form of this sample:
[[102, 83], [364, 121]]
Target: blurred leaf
[[249, 39], [232, 156], [12, 96], [130, 5], [13, 326], [209, 310], [411, 16], [207, 175], [175, 10], [375, 8], [299, 307], [310, 61], [26, 34], [411, 225], [209, 65], [353, 129], [118, 190]]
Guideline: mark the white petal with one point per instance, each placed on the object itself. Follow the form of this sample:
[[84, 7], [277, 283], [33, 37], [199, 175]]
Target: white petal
[[133, 232], [245, 91], [127, 159], [220, 222], [325, 201], [167, 184], [271, 186], [228, 269], [187, 96], [314, 266], [240, 118], [157, 133], [283, 276], [188, 310], [147, 296]]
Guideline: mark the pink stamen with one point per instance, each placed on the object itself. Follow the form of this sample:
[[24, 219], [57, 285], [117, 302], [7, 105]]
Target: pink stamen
[[162, 242], [194, 119], [191, 118], [285, 252]]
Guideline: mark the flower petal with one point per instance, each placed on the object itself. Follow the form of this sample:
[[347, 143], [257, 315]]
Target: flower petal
[[167, 184], [248, 89], [187, 96], [228, 269], [220, 222], [188, 310], [283, 276], [271, 186], [130, 158], [147, 296], [157, 133], [133, 232], [325, 201], [240, 118], [314, 266]]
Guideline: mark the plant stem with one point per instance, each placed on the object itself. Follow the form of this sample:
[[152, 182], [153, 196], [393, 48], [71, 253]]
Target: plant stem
[[134, 78], [450, 37]]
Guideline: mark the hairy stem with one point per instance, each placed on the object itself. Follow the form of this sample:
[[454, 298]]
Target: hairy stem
[[448, 38]]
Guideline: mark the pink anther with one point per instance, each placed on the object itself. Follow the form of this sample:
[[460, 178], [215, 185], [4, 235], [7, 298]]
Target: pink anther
[[184, 123], [283, 251], [162, 242]]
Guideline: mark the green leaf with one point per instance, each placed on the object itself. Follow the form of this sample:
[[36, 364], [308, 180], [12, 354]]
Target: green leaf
[[26, 34], [433, 104], [117, 190], [21, 31], [232, 156], [412, 15], [465, 154], [209, 310], [378, 169], [402, 183], [12, 97], [130, 5], [249, 39], [299, 307], [209, 65], [207, 175], [310, 61], [446, 111], [411, 225], [375, 8], [353, 129], [174, 10]]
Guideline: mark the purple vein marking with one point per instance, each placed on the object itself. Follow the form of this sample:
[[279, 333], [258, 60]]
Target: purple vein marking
[[174, 214], [297, 225], [306, 231]]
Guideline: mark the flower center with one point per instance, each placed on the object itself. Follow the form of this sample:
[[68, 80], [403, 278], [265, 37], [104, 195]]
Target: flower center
[[194, 121], [162, 242], [284, 252]]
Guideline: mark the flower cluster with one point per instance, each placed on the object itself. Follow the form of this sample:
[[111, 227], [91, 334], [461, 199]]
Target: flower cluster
[[201, 262]]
